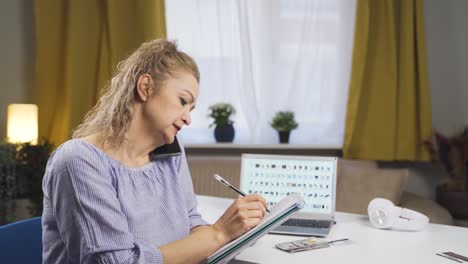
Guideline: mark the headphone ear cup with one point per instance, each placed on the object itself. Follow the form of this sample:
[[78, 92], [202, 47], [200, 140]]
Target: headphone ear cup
[[381, 213]]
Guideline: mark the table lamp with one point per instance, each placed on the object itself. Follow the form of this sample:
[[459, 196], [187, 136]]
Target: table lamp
[[22, 124]]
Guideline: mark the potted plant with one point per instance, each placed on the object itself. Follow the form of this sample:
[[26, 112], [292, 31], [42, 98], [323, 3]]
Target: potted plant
[[31, 161], [451, 153], [284, 122], [7, 183], [221, 113]]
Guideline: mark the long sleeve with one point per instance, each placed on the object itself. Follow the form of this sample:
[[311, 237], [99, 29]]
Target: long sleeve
[[82, 196]]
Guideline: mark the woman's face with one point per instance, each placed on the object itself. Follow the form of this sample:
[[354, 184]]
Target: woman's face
[[168, 107]]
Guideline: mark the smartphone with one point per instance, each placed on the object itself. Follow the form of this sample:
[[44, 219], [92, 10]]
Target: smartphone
[[167, 150]]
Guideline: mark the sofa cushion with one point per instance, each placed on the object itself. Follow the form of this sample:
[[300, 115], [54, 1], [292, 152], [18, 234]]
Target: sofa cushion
[[436, 213], [203, 168], [360, 181]]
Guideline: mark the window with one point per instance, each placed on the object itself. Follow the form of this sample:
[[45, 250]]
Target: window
[[268, 56]]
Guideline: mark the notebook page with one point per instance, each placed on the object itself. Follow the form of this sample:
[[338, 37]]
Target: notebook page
[[294, 199]]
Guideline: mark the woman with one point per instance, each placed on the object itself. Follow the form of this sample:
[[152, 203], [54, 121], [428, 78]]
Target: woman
[[106, 200]]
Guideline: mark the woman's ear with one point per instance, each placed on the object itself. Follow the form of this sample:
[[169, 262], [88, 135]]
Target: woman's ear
[[143, 88]]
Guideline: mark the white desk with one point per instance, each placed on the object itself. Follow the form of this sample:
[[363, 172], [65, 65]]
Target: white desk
[[370, 245]]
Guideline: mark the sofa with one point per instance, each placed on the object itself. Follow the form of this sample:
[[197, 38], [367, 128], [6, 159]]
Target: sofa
[[358, 182]]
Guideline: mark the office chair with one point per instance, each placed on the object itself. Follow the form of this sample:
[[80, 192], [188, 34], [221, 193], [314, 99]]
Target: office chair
[[21, 242]]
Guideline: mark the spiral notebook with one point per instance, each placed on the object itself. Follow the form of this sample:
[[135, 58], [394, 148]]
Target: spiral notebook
[[279, 213]]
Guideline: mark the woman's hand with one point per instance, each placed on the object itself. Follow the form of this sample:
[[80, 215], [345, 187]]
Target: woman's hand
[[245, 213]]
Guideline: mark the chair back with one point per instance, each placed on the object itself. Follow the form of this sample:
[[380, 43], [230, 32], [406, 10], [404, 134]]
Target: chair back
[[21, 242]]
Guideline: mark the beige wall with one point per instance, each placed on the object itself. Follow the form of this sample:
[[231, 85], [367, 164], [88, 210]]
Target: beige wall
[[17, 55], [447, 54]]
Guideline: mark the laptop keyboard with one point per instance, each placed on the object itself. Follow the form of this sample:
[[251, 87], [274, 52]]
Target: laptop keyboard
[[307, 223]]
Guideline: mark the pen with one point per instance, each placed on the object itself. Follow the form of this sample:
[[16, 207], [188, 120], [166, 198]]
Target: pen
[[338, 240], [226, 183], [451, 258], [457, 256]]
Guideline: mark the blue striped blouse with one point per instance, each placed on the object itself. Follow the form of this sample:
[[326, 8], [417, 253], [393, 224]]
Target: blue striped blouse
[[97, 210]]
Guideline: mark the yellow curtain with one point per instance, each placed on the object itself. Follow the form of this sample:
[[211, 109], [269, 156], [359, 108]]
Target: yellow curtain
[[78, 46], [388, 112]]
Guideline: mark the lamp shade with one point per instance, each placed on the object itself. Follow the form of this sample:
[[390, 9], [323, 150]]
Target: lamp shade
[[22, 124]]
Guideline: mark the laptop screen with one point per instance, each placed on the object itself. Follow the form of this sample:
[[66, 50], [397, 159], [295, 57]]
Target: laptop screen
[[275, 176]]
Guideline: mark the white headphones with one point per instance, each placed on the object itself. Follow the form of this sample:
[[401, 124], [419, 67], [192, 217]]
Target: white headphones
[[384, 214]]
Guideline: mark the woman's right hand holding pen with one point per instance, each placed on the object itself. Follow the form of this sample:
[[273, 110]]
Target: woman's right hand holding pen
[[245, 213]]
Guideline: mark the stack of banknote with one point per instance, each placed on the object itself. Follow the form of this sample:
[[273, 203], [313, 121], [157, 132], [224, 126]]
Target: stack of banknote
[[303, 245]]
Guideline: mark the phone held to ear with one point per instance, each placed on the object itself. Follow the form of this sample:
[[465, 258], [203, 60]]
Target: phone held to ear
[[167, 150]]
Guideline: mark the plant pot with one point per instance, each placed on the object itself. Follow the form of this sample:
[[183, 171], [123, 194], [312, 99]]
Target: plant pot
[[454, 201], [284, 136], [224, 134]]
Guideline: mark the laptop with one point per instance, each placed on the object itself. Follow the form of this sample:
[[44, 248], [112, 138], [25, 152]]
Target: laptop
[[275, 176]]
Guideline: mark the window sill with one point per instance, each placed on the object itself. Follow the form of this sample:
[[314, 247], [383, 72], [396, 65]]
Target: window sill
[[230, 149]]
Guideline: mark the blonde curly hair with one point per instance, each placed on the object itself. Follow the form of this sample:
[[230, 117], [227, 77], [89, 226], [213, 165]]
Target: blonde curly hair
[[112, 115]]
